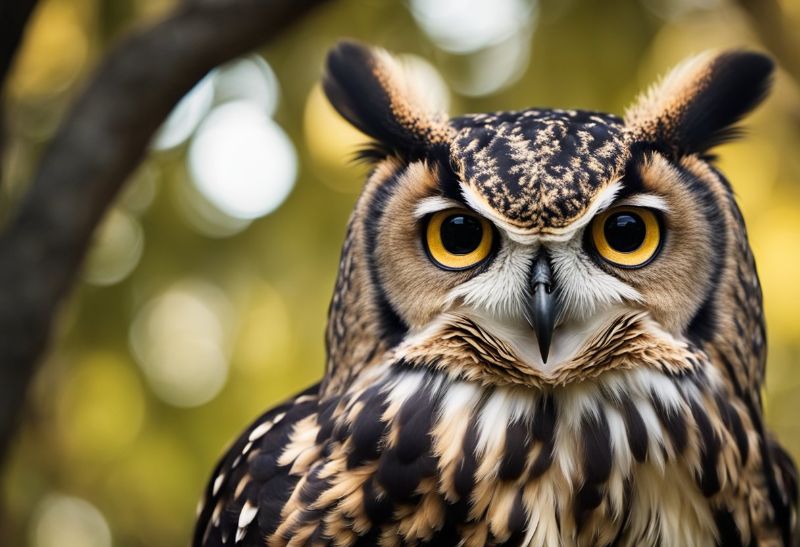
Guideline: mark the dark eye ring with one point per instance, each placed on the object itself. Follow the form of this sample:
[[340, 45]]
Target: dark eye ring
[[627, 237], [457, 239]]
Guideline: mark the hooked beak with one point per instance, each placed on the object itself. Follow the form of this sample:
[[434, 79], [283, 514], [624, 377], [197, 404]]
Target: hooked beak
[[542, 308]]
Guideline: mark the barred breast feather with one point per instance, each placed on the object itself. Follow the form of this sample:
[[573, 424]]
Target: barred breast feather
[[414, 456]]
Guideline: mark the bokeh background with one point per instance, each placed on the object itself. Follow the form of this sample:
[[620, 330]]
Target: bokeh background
[[204, 298]]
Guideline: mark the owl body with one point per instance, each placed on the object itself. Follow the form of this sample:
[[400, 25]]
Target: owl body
[[546, 330]]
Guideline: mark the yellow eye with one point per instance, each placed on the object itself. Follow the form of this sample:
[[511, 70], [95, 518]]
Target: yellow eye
[[628, 237], [457, 239]]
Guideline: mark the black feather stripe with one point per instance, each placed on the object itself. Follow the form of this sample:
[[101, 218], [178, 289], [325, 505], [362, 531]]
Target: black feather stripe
[[597, 454], [543, 461], [544, 423], [673, 421], [517, 520], [353, 88], [400, 479], [707, 478], [517, 444], [464, 477], [377, 505], [703, 326], [597, 460], [325, 419], [392, 326], [404, 465], [637, 431], [366, 437], [733, 423], [728, 534], [415, 422], [543, 431]]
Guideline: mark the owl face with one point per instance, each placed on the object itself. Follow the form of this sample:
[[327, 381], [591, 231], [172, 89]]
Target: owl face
[[543, 228]]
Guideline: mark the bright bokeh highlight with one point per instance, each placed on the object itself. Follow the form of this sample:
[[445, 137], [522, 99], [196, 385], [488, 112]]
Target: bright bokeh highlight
[[65, 521], [180, 341], [242, 161], [466, 26]]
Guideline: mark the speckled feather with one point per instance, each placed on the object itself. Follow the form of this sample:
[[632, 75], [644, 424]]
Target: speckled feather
[[539, 168], [430, 426]]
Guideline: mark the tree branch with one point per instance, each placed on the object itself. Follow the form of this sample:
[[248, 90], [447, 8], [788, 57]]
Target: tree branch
[[13, 21], [100, 143]]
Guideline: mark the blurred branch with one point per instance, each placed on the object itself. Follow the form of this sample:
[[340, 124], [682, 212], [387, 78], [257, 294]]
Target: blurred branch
[[770, 23], [99, 144], [13, 21]]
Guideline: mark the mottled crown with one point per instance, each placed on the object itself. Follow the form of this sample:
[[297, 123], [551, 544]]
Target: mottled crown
[[539, 170]]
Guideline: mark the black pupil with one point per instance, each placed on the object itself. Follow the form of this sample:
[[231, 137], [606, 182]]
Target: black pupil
[[461, 234], [624, 232]]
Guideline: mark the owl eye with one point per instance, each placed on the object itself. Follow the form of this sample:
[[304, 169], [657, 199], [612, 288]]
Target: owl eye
[[628, 237], [457, 240]]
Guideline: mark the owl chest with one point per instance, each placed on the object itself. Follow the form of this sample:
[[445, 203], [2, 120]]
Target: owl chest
[[574, 496], [451, 463]]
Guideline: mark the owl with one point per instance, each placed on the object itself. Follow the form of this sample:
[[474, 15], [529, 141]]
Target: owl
[[546, 330]]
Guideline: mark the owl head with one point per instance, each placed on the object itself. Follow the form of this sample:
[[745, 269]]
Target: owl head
[[541, 245]]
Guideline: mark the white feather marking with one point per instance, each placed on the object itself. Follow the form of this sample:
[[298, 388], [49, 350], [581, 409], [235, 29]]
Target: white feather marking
[[619, 440], [458, 396], [505, 406], [651, 201], [247, 514], [434, 204], [217, 484], [574, 402], [493, 416], [260, 430], [215, 514], [653, 382], [406, 385]]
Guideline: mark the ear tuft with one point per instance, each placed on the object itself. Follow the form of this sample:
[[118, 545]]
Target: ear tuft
[[371, 91], [698, 104]]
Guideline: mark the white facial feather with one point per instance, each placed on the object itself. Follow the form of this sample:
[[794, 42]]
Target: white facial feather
[[584, 289], [434, 204], [588, 297], [502, 290], [650, 201]]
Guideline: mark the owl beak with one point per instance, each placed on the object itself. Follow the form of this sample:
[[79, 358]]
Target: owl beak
[[542, 308]]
